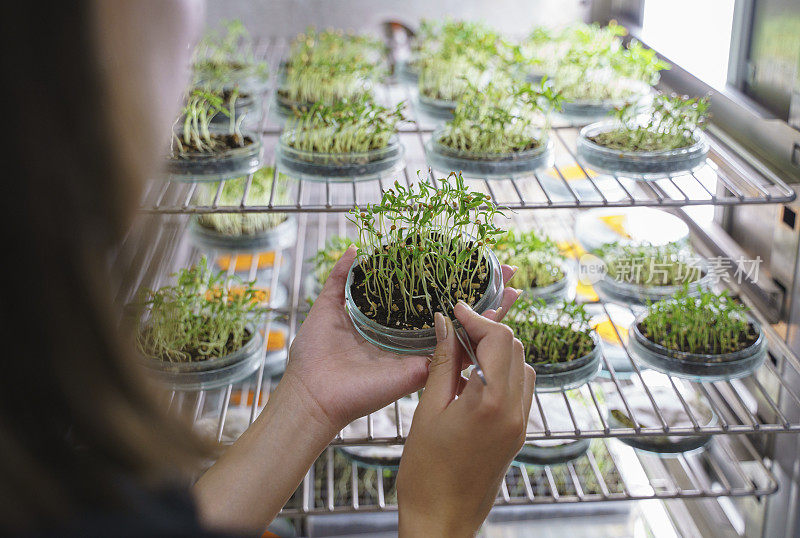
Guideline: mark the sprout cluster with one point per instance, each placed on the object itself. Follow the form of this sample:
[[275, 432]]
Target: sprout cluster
[[192, 134], [546, 49], [453, 54], [590, 62], [500, 118], [428, 242], [708, 323], [345, 127], [327, 256], [232, 194], [592, 47], [186, 323], [672, 122], [226, 56], [550, 335], [330, 66], [313, 48], [537, 258], [649, 265]]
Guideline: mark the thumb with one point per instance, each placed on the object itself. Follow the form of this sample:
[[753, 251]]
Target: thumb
[[444, 369], [334, 286]]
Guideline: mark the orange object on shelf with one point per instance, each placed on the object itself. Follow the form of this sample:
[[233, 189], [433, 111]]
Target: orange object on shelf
[[572, 172], [608, 332], [586, 293], [617, 224], [276, 340], [245, 261], [236, 398], [262, 294]]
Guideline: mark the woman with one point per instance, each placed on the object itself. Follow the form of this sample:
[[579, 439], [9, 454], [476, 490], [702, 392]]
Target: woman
[[86, 449]]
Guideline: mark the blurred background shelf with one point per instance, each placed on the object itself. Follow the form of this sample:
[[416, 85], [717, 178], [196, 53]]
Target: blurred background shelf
[[729, 177]]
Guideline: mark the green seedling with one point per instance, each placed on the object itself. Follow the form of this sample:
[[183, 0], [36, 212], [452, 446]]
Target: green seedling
[[346, 127], [331, 66], [197, 319], [259, 193], [326, 257], [709, 323], [537, 258], [459, 52], [424, 247], [671, 123], [500, 118], [649, 265], [226, 56], [195, 136], [550, 336]]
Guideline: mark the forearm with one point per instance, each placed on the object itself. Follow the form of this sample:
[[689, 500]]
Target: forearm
[[428, 524], [248, 485]]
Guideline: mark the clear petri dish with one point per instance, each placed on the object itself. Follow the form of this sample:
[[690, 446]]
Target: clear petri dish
[[281, 236], [231, 163], [419, 341], [488, 165], [633, 225], [562, 290], [642, 164], [356, 166], [697, 366], [438, 109], [612, 289], [561, 376], [208, 374], [670, 409]]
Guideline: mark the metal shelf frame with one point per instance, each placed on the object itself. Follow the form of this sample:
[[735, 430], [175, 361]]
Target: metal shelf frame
[[726, 178], [734, 402], [605, 473], [158, 245]]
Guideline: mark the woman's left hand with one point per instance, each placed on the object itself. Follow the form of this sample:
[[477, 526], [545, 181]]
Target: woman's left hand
[[343, 375], [333, 377]]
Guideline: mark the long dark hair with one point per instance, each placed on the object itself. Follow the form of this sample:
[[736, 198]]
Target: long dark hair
[[75, 420]]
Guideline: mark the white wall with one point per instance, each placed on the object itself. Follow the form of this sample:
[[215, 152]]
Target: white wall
[[288, 17]]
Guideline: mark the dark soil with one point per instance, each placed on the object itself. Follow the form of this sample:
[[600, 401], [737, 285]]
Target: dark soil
[[532, 144], [241, 96], [226, 142], [567, 352], [296, 107], [395, 314], [230, 347], [749, 340]]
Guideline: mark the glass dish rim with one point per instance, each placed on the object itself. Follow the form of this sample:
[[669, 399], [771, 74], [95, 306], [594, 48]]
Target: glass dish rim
[[480, 306], [697, 358], [700, 145]]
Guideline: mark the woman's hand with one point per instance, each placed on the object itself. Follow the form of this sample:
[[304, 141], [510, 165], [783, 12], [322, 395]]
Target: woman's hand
[[477, 433], [342, 375], [333, 377]]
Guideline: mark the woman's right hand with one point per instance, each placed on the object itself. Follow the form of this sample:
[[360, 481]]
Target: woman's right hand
[[459, 449]]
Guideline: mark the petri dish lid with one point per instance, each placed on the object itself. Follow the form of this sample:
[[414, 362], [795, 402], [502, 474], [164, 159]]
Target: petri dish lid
[[597, 227]]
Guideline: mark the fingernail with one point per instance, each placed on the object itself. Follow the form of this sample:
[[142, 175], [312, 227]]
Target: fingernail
[[440, 325], [463, 304], [514, 270], [499, 315], [519, 293]]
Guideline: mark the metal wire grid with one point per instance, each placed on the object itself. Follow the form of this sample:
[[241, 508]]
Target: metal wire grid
[[609, 471], [725, 179], [749, 405], [149, 264]]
